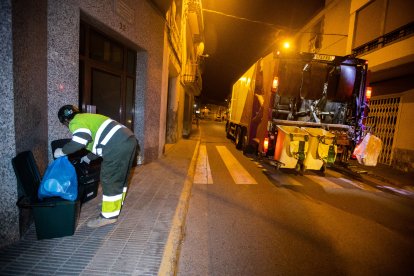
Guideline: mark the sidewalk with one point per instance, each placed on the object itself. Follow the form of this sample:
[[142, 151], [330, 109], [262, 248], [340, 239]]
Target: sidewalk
[[135, 244]]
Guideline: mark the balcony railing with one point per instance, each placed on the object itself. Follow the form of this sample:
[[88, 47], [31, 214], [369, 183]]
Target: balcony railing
[[382, 41], [192, 78], [194, 6]]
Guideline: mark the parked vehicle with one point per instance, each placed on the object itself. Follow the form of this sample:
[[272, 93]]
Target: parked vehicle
[[305, 90]]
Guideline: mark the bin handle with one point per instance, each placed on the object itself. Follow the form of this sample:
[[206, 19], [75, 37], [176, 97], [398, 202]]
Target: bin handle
[[305, 137]]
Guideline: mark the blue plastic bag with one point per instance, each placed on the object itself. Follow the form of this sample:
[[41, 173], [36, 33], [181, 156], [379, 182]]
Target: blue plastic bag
[[59, 180]]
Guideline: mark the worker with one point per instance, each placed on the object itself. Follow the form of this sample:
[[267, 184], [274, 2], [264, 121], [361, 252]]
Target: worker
[[108, 139]]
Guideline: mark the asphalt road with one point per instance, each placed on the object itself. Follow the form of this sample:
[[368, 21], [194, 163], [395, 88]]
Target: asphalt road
[[243, 220]]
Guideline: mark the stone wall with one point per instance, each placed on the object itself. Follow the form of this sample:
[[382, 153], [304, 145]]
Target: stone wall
[[9, 223], [40, 73]]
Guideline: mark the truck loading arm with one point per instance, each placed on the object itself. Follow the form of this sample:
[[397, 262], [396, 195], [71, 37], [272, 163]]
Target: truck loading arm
[[311, 124]]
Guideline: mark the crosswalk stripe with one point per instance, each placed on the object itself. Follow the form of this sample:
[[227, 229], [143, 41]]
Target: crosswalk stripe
[[354, 183], [359, 185], [237, 172], [202, 173], [285, 180], [324, 182]]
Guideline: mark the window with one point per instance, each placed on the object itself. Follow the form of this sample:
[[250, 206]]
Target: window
[[369, 22], [107, 75]]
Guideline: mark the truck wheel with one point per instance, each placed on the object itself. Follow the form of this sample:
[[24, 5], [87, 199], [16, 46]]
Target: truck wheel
[[245, 145], [228, 129], [239, 138]]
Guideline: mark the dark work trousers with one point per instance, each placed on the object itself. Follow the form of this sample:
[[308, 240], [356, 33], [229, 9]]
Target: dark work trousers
[[118, 156]]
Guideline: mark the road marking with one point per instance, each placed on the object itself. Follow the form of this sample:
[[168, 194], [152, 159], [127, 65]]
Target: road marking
[[355, 183], [203, 172], [237, 172], [324, 182], [359, 185], [285, 180]]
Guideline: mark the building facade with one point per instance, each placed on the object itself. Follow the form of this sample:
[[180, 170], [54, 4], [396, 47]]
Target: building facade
[[185, 46], [382, 32], [114, 57]]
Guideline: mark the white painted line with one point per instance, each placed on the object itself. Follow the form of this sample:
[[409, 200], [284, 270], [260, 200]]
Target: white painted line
[[203, 172], [355, 183], [285, 180], [237, 172], [324, 182], [359, 185]]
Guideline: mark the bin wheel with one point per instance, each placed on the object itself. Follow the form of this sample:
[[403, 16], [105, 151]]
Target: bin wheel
[[300, 169], [323, 170]]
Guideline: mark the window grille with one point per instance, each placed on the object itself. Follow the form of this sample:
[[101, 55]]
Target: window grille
[[382, 122]]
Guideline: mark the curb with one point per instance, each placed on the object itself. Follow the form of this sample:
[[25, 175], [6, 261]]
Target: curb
[[172, 247]]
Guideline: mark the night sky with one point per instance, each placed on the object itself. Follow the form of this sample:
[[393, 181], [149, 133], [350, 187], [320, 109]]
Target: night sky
[[234, 41]]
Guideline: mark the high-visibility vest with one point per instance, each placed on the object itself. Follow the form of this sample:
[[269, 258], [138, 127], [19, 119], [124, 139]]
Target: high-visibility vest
[[93, 131]]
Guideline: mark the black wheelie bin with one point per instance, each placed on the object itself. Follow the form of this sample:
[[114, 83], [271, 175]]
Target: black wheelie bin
[[88, 174], [54, 217]]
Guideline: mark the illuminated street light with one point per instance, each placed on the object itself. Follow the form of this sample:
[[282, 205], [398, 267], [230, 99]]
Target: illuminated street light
[[286, 45]]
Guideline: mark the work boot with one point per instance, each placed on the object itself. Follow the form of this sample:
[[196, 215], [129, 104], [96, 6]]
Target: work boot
[[100, 221]]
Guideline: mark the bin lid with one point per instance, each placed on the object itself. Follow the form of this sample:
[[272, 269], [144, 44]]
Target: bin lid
[[27, 174], [292, 130], [318, 132]]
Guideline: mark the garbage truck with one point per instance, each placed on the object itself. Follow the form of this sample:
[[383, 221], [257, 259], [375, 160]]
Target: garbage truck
[[305, 106]]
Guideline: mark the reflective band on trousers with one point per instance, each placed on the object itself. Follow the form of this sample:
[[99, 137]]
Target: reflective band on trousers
[[111, 205]]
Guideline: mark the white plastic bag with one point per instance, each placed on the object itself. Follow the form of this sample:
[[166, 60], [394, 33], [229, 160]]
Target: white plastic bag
[[368, 150]]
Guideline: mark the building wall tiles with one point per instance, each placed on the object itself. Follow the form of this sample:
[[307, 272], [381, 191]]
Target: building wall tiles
[[40, 73], [9, 224]]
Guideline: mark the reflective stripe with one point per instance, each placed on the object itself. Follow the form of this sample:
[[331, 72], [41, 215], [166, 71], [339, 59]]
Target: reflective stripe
[[99, 133], [111, 205], [83, 130], [79, 140], [110, 134], [111, 198], [111, 214], [124, 194]]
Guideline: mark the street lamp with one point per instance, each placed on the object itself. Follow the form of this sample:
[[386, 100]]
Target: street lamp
[[286, 45]]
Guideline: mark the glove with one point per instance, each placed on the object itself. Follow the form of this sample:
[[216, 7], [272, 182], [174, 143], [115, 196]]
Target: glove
[[85, 159], [58, 153]]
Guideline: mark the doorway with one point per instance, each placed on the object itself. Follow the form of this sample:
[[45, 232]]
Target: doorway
[[107, 75]]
